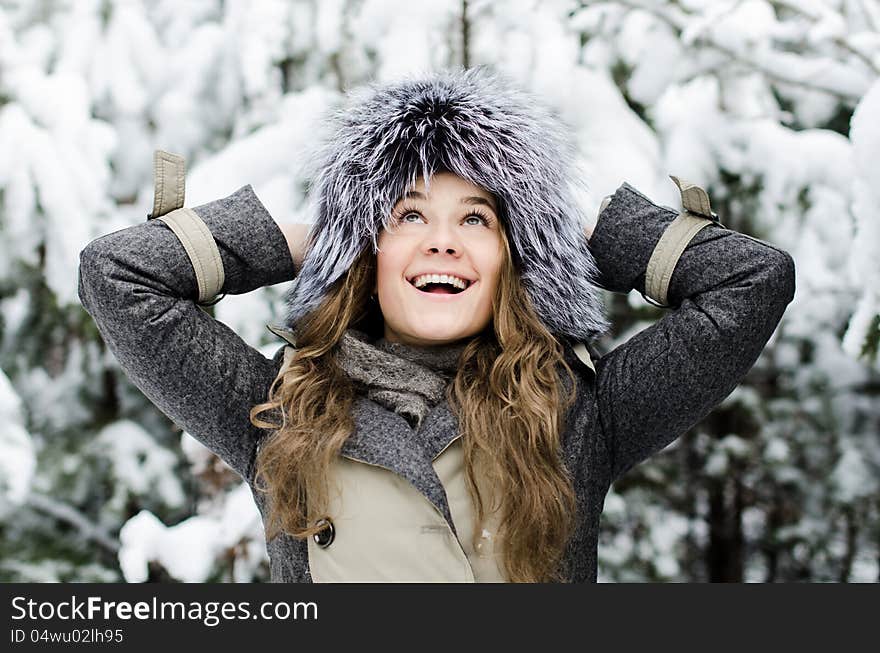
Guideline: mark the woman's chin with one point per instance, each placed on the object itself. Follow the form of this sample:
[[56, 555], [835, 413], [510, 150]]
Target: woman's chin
[[434, 336]]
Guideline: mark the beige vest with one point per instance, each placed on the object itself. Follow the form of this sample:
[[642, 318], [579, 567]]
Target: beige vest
[[387, 531]]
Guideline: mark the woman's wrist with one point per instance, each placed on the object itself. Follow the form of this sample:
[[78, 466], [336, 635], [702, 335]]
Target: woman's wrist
[[296, 234]]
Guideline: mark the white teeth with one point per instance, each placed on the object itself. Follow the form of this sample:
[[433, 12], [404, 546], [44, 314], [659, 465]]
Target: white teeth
[[425, 279]]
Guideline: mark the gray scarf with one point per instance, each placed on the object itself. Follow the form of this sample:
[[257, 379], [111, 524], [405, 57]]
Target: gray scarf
[[407, 379]]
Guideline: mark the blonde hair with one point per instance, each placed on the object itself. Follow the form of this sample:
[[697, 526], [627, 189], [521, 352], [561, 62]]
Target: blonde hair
[[507, 373]]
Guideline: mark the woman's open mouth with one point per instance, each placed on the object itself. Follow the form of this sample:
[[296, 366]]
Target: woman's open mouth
[[441, 289]]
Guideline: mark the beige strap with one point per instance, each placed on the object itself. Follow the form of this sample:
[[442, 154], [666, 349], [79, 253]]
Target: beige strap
[[693, 198], [283, 333], [697, 213], [169, 175], [581, 350], [667, 252], [201, 248]]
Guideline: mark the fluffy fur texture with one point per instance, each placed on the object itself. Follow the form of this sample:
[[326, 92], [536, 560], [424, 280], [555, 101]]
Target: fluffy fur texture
[[479, 125]]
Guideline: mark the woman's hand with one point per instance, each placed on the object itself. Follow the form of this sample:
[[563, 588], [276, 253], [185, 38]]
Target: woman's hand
[[296, 235]]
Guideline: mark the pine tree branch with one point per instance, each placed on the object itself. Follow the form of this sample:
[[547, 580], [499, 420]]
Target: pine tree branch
[[72, 516]]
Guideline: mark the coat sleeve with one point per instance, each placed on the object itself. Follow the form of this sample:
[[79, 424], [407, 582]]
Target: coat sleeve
[[140, 287], [727, 293]]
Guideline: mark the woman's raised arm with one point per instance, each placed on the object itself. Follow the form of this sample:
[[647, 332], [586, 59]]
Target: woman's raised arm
[[727, 292], [140, 287]]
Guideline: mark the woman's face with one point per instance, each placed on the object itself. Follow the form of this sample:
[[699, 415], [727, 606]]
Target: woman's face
[[453, 230]]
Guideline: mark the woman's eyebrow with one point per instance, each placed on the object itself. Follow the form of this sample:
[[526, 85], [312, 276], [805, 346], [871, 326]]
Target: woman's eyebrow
[[470, 200]]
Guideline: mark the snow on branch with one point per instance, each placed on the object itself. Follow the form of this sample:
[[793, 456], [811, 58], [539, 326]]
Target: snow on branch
[[750, 40]]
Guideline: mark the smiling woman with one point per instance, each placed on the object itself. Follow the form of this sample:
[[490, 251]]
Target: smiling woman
[[438, 239], [418, 327], [434, 413]]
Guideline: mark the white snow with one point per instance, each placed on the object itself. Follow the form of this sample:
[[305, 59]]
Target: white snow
[[852, 475], [18, 460], [188, 550], [864, 272], [139, 464]]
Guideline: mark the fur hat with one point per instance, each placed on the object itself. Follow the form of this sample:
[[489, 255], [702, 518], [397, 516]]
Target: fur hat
[[477, 124]]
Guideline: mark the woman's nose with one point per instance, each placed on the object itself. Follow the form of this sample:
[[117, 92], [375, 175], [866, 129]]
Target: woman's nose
[[448, 250], [443, 239]]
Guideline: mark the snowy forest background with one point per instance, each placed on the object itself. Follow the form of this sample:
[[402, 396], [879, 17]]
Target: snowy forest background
[[774, 106]]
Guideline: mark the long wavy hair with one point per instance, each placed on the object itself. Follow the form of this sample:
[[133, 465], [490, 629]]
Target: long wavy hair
[[508, 374]]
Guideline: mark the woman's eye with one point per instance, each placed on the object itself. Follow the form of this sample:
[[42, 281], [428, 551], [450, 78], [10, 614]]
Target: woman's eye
[[405, 218]]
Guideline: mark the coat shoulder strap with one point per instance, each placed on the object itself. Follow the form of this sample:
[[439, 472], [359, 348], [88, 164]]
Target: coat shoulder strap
[[169, 181]]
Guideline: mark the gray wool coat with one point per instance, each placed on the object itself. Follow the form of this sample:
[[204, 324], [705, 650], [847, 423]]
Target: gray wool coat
[[727, 294]]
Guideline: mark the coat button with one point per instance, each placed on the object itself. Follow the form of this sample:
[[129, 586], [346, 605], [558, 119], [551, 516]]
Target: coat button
[[326, 536]]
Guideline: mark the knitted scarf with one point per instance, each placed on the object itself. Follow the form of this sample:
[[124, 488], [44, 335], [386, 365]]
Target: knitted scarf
[[404, 378]]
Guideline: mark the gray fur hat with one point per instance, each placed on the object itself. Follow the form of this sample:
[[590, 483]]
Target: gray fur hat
[[479, 125]]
